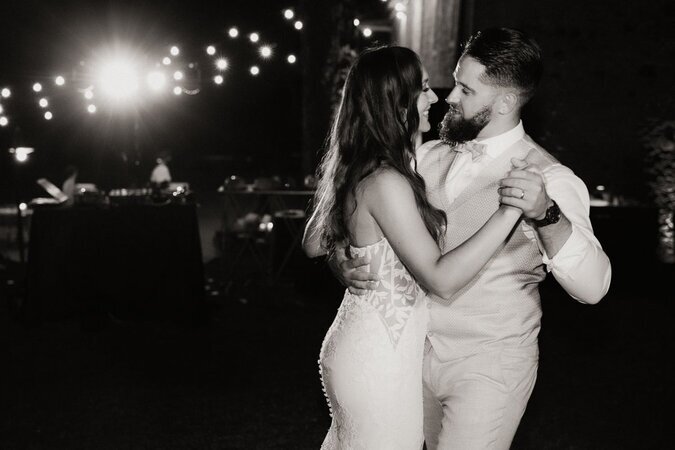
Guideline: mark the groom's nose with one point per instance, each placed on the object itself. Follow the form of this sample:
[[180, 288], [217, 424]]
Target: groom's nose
[[453, 96]]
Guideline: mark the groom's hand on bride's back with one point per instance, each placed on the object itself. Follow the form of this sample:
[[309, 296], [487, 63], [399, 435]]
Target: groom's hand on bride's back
[[352, 273]]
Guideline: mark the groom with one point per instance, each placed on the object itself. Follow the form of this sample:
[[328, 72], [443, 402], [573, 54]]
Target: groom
[[481, 353]]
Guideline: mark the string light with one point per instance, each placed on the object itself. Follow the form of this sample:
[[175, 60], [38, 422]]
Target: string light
[[3, 121], [357, 22], [399, 6], [367, 32], [265, 51], [124, 82], [221, 64], [401, 15]]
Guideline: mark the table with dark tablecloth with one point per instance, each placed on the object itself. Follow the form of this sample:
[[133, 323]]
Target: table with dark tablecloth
[[131, 262]]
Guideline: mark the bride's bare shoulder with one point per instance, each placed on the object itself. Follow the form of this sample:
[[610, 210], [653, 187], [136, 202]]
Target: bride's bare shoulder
[[384, 182]]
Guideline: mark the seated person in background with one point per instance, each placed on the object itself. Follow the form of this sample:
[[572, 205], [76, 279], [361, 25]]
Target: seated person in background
[[161, 176]]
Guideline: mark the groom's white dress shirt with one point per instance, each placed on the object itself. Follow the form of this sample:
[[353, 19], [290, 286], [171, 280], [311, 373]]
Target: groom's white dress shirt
[[580, 266]]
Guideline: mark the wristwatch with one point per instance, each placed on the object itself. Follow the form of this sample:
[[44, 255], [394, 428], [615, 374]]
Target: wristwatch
[[552, 216]]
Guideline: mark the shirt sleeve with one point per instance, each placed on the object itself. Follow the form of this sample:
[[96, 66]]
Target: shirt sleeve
[[581, 267]]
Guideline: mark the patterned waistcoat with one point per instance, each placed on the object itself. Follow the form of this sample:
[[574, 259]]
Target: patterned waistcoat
[[500, 307]]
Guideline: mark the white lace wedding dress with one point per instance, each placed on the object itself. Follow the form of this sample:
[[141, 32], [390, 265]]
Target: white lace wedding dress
[[371, 361]]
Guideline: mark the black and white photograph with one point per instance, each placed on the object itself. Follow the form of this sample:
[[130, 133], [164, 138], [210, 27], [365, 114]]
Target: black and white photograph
[[337, 224]]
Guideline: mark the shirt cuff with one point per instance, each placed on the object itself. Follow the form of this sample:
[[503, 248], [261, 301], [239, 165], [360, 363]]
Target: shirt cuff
[[569, 256]]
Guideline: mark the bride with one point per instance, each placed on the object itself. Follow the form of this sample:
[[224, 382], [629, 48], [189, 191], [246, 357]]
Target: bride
[[370, 196]]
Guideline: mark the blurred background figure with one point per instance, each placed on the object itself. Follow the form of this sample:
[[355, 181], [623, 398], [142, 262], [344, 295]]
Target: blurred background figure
[[68, 186], [161, 175]]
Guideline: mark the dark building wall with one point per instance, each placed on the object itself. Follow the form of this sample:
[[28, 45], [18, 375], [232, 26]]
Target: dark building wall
[[610, 70]]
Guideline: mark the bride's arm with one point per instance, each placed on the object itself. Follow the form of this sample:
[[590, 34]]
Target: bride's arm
[[390, 200], [311, 239]]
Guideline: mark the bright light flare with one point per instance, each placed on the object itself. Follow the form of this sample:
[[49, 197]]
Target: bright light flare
[[367, 32], [233, 32], [43, 103], [37, 87], [254, 37], [91, 109], [48, 115], [218, 79], [291, 59], [289, 14], [178, 75], [255, 70], [175, 51], [211, 50], [265, 51], [4, 121], [400, 15], [357, 22], [399, 6], [59, 80], [177, 90], [156, 81], [118, 79], [221, 64], [6, 93], [166, 61], [88, 94], [298, 25]]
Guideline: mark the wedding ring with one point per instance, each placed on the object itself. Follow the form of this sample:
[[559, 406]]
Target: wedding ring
[[522, 194]]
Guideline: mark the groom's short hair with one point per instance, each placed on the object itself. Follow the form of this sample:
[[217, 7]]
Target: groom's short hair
[[511, 59]]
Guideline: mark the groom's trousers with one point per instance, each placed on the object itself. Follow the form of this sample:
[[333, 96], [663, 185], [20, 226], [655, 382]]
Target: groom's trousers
[[476, 402]]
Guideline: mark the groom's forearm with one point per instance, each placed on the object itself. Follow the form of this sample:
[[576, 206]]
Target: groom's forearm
[[554, 236]]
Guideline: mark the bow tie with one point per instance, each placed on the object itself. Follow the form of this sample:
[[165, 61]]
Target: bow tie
[[477, 150]]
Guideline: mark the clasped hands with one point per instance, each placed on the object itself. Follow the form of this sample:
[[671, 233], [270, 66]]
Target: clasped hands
[[523, 187]]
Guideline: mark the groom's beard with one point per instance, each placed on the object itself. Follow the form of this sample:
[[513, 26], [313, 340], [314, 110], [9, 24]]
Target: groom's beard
[[455, 129]]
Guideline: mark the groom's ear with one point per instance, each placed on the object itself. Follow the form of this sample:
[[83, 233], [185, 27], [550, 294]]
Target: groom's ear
[[508, 103]]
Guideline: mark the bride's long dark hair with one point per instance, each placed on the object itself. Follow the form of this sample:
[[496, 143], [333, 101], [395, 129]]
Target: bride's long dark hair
[[375, 126]]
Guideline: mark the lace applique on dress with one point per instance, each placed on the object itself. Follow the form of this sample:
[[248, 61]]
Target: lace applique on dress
[[371, 361], [397, 291]]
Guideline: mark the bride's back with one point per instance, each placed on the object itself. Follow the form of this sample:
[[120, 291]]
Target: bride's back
[[361, 224]]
